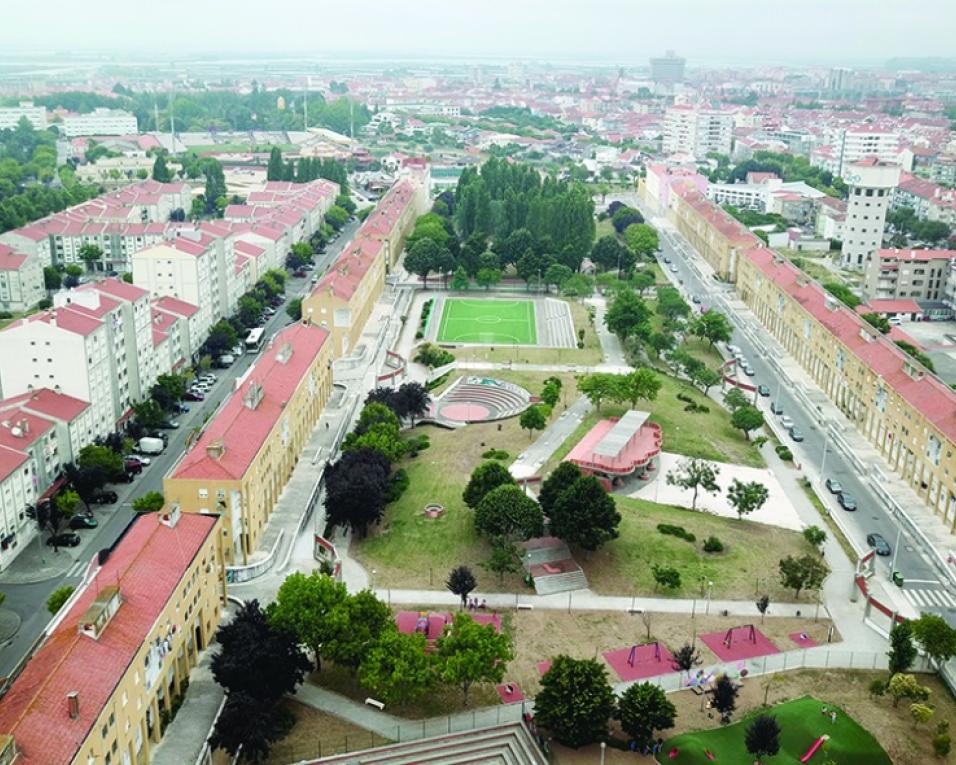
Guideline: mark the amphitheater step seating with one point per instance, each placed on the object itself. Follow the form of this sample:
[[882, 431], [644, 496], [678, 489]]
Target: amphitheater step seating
[[572, 580], [505, 401], [509, 744], [554, 321]]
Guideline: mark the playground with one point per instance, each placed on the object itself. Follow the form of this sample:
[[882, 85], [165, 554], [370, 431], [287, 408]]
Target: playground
[[802, 722], [488, 322], [737, 643]]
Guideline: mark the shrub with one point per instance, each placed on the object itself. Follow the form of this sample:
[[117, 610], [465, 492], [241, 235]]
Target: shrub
[[942, 744], [685, 397], [432, 356], [415, 444], [697, 409], [676, 531], [495, 454], [784, 453], [437, 382], [878, 687], [713, 545], [397, 485], [580, 344]]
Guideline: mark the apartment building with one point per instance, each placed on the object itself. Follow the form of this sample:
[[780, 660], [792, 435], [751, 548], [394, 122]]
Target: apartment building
[[871, 183], [697, 131], [928, 200], [901, 408], [100, 122], [10, 116], [914, 274], [655, 187], [345, 296], [21, 280], [71, 417], [844, 147], [100, 686], [241, 462]]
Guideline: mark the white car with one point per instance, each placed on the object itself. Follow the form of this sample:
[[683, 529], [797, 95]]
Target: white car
[[786, 422], [673, 269]]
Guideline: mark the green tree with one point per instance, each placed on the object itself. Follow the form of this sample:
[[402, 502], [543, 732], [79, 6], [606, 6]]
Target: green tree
[[902, 651], [461, 582], [294, 309], [935, 637], [336, 217], [150, 502], [842, 293], [58, 597], [484, 479], [627, 315], [804, 573], [149, 414], [172, 385], [532, 419], [877, 320], [747, 418], [762, 737], [921, 713], [422, 258], [91, 254], [815, 537], [711, 326], [696, 474], [641, 239], [705, 378], [161, 171], [67, 502], [597, 386], [584, 515], [103, 459], [460, 280], [510, 513], [563, 477], [312, 607], [557, 274], [746, 496], [505, 558], [52, 279], [670, 304], [222, 337], [735, 399], [488, 277], [397, 668], [470, 653], [215, 183], [665, 576], [575, 702], [903, 686], [608, 253], [367, 619], [643, 710], [641, 384]]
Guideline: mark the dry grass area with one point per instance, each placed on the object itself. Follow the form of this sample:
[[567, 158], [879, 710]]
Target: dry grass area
[[893, 728], [540, 635], [317, 734]]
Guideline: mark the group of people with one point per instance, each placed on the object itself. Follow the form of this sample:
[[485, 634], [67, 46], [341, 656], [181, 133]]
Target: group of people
[[653, 748], [475, 605]]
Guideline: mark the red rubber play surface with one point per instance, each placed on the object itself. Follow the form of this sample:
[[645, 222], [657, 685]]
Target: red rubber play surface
[[543, 667], [645, 664], [509, 698], [465, 412], [741, 645]]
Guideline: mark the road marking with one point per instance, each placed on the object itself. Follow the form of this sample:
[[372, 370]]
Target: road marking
[[930, 598]]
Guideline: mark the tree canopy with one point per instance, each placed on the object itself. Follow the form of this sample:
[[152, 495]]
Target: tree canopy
[[575, 702]]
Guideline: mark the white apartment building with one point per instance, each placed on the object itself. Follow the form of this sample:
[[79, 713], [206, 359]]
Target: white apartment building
[[191, 331], [871, 183], [66, 350], [914, 274], [21, 280], [72, 418], [10, 116], [100, 122], [696, 131], [846, 146]]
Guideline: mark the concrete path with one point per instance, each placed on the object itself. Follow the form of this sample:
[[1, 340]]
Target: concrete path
[[344, 708], [529, 462]]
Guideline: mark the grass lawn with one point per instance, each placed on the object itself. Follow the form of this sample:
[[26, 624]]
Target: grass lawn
[[317, 734], [801, 723], [589, 355], [488, 322], [746, 567]]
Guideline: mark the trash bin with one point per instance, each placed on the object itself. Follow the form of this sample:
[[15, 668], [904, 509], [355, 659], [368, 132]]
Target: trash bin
[[897, 579]]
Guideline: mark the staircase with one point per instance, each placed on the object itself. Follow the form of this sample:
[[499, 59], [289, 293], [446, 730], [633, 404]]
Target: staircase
[[571, 580], [540, 554], [509, 744]]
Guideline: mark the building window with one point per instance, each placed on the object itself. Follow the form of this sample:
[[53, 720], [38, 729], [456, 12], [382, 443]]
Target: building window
[[204, 493]]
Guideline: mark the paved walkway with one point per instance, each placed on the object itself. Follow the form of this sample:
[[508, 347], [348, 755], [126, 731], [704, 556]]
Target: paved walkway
[[529, 462], [344, 708]]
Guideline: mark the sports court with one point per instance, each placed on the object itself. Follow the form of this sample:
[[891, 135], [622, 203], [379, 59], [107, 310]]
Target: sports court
[[488, 322]]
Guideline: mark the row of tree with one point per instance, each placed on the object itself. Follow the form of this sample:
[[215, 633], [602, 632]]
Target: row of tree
[[306, 169]]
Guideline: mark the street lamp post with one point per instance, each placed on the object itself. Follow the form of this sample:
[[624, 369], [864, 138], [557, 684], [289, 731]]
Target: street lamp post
[[603, 750], [896, 547], [710, 589], [826, 444]]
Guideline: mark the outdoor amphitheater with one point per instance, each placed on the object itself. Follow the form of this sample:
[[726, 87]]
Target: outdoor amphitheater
[[543, 322], [479, 399]]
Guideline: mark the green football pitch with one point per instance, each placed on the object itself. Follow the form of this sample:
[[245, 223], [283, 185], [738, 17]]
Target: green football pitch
[[801, 724], [488, 322]]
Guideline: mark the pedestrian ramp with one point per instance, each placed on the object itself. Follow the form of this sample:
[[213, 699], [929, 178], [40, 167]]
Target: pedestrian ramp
[[929, 598], [510, 744]]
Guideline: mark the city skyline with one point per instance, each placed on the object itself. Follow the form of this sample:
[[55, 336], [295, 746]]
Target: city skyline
[[560, 31]]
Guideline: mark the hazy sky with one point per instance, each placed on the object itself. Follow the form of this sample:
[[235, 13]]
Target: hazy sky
[[705, 31]]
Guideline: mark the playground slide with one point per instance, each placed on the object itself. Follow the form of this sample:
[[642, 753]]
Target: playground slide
[[813, 749]]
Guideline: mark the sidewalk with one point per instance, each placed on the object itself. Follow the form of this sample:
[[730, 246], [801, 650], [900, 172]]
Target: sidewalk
[[363, 716], [38, 563]]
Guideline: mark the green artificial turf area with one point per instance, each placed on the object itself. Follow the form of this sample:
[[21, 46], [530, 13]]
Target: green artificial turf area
[[488, 322], [801, 723]]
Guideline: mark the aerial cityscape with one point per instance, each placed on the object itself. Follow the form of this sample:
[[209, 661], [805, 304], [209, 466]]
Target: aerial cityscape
[[510, 385]]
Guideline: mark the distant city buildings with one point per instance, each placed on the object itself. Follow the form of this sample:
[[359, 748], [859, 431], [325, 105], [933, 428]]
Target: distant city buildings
[[667, 69], [100, 122], [10, 116], [697, 131]]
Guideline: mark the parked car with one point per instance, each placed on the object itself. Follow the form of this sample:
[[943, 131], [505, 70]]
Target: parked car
[[182, 408], [834, 486], [104, 497], [667, 259], [170, 425], [83, 522], [776, 407], [237, 350], [269, 311], [878, 543], [314, 279], [695, 299], [673, 269], [134, 465], [763, 390], [299, 273], [846, 500], [895, 321], [796, 434], [194, 395], [786, 423], [749, 370], [64, 539], [733, 350]]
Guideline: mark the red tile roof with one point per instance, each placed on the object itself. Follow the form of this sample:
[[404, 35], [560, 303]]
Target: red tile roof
[[889, 306], [48, 402], [176, 306], [119, 288], [10, 460], [147, 565], [65, 319], [891, 254], [30, 427], [243, 430], [10, 259]]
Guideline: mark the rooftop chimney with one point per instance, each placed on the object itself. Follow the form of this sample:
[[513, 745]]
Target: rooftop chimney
[[73, 704], [170, 517], [215, 449]]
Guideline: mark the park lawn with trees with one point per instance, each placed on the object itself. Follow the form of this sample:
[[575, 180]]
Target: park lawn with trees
[[751, 553], [708, 435], [801, 723], [318, 734]]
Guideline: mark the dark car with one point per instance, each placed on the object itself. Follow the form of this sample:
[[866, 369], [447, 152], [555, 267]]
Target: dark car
[[846, 500], [104, 497], [133, 465], [83, 522], [834, 486], [64, 539], [695, 300], [170, 425], [796, 434], [879, 544], [763, 390], [776, 407], [299, 273], [194, 395]]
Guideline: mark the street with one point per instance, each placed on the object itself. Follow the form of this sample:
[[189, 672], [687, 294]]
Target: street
[[26, 596], [923, 588]]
